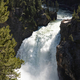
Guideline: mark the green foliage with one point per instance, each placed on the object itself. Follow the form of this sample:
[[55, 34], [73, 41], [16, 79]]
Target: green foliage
[[56, 5], [71, 38], [30, 9], [8, 61], [3, 11], [11, 3], [78, 10], [48, 17], [53, 19], [64, 39], [74, 14], [38, 4]]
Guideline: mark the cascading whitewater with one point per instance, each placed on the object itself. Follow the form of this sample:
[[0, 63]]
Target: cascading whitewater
[[39, 52]]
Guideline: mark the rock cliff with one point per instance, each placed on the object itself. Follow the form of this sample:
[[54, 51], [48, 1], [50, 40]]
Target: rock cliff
[[21, 32], [68, 51]]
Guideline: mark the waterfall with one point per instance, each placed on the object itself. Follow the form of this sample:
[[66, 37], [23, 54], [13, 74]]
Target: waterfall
[[39, 51]]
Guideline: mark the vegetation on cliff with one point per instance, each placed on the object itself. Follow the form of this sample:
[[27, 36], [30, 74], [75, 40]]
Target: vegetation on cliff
[[76, 15], [3, 11], [68, 51], [8, 61], [30, 10]]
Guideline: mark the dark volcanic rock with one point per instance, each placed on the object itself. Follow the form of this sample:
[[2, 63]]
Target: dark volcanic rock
[[68, 51]]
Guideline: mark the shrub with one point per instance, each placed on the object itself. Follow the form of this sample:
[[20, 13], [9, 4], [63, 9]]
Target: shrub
[[71, 38]]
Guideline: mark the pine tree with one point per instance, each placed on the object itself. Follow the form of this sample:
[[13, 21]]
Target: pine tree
[[3, 11], [74, 14], [56, 5], [38, 4], [8, 61], [11, 4], [78, 10]]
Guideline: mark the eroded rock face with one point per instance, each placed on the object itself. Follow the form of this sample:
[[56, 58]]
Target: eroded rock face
[[64, 60], [68, 51], [45, 19]]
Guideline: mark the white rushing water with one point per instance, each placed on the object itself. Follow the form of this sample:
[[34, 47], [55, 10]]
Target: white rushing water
[[39, 51]]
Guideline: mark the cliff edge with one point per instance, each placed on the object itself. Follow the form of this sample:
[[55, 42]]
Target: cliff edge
[[68, 51]]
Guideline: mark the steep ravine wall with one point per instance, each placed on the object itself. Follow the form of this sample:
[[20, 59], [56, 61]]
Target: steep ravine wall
[[68, 51], [19, 32]]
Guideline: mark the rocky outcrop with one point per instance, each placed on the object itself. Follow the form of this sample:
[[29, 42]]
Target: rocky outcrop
[[68, 51], [64, 60], [44, 18]]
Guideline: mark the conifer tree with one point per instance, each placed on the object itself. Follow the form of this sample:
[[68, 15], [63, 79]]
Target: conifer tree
[[3, 11], [38, 4], [56, 5], [74, 14], [7, 60], [11, 4], [78, 10]]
